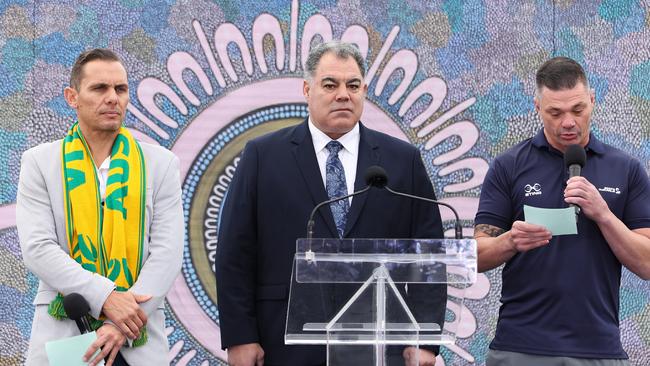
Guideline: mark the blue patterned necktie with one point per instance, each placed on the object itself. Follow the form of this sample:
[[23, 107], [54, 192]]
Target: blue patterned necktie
[[336, 186]]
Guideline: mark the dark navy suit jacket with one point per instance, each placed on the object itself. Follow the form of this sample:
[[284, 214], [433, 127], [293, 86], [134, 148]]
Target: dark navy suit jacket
[[275, 187]]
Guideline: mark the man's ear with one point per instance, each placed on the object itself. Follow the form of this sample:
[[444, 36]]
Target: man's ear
[[70, 96], [305, 89]]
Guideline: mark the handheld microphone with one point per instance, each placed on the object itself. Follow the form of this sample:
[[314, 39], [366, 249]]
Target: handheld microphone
[[77, 309], [380, 180], [575, 159], [372, 177]]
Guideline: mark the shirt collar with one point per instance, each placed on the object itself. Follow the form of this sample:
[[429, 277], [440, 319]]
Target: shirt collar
[[350, 140], [105, 164], [594, 145]]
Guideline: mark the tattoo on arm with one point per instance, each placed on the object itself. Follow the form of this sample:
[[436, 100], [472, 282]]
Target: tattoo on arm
[[490, 230]]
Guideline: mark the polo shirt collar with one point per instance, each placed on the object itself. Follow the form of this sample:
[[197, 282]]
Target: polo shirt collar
[[594, 145]]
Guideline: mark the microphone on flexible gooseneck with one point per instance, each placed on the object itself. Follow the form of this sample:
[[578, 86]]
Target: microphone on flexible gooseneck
[[372, 177], [77, 309], [575, 158], [376, 176]]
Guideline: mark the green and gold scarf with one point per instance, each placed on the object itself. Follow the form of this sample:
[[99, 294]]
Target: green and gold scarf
[[108, 241]]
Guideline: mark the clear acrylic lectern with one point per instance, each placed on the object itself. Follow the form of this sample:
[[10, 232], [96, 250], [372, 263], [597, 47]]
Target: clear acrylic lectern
[[367, 299]]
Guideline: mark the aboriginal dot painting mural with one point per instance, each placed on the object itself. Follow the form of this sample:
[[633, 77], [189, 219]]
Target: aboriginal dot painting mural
[[453, 77]]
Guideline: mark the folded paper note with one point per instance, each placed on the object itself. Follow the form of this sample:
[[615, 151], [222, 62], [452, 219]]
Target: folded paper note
[[70, 351], [559, 221]]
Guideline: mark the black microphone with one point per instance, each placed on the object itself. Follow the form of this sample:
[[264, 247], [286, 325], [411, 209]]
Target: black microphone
[[574, 159], [376, 176], [372, 177], [381, 179], [77, 309]]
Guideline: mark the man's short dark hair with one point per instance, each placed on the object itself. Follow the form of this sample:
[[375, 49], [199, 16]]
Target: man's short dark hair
[[85, 57], [342, 50], [560, 73]]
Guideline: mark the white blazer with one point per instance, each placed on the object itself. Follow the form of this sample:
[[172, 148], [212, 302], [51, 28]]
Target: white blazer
[[41, 228]]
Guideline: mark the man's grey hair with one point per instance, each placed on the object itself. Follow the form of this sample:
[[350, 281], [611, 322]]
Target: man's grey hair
[[342, 50]]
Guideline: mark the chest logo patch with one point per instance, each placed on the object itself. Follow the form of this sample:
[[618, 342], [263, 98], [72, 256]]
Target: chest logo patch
[[610, 190], [532, 190]]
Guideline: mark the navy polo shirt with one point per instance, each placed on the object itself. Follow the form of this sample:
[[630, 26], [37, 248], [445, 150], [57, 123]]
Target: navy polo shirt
[[562, 299]]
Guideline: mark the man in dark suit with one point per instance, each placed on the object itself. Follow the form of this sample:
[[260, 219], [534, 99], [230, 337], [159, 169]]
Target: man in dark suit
[[279, 180]]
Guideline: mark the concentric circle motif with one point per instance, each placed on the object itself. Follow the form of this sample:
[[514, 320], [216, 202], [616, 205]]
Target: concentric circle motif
[[204, 191]]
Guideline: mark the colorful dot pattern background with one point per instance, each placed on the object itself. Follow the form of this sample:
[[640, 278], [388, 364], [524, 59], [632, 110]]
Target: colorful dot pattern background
[[485, 50]]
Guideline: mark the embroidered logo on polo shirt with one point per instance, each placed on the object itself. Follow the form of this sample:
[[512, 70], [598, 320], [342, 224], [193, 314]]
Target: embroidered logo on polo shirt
[[610, 190], [533, 190]]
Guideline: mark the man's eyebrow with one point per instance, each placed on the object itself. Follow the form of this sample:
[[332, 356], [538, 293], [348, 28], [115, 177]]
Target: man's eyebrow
[[98, 85], [329, 79], [573, 107], [105, 85], [335, 80]]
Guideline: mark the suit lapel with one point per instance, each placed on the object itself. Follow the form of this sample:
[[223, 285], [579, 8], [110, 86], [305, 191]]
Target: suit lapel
[[305, 156], [368, 156]]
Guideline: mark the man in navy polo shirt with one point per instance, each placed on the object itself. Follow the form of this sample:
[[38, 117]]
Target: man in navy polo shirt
[[560, 295]]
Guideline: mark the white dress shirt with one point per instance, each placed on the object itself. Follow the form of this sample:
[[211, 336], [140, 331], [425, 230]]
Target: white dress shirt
[[102, 177], [348, 155]]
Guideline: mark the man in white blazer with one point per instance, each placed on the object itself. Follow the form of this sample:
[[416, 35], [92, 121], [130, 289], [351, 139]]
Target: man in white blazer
[[99, 93]]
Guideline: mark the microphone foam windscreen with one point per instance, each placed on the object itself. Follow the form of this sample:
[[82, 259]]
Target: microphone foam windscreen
[[575, 154], [75, 306], [376, 176]]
